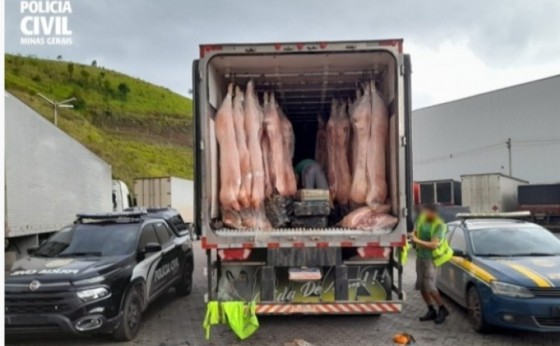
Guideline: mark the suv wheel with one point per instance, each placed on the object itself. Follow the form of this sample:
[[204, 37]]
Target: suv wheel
[[131, 317], [184, 287]]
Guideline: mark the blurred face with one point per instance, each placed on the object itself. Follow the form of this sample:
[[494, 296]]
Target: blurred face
[[430, 214]]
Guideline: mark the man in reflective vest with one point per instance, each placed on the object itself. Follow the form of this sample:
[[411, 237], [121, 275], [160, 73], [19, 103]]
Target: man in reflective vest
[[432, 250]]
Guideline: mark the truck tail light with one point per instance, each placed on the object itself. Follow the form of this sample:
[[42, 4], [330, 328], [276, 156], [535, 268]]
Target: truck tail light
[[234, 254], [374, 252]]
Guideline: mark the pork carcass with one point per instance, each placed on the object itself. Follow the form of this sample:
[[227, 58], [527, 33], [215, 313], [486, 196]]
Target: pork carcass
[[338, 131], [353, 138], [273, 129], [253, 131], [265, 146], [376, 167], [361, 125], [289, 142], [321, 155], [365, 218], [241, 140], [230, 173]]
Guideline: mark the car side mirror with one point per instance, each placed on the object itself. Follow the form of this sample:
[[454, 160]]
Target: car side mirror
[[152, 247], [31, 250], [459, 253]]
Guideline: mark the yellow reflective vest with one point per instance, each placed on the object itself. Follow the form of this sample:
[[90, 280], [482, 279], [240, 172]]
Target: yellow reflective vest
[[442, 253]]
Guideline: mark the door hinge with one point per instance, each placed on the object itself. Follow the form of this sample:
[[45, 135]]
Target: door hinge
[[403, 141], [403, 69], [404, 212]]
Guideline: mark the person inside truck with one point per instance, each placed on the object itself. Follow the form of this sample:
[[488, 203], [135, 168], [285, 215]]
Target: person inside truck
[[427, 237], [310, 175]]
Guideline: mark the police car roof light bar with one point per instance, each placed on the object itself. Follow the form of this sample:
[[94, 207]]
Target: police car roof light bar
[[110, 216], [504, 215]]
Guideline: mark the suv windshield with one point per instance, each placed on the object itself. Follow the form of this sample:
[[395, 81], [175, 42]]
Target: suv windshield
[[514, 241], [102, 239]]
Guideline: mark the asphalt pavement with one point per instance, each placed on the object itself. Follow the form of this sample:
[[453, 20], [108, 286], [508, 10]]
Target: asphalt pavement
[[175, 321]]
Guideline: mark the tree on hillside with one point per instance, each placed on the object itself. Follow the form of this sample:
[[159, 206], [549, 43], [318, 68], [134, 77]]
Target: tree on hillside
[[70, 68], [59, 57], [123, 90], [94, 63]]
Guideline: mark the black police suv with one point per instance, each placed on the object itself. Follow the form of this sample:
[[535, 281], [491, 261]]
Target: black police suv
[[99, 274]]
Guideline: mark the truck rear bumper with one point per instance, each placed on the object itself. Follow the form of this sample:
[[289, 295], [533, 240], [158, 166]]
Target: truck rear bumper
[[343, 308]]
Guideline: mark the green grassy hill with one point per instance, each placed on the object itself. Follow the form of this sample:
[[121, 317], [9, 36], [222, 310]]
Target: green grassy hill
[[140, 129]]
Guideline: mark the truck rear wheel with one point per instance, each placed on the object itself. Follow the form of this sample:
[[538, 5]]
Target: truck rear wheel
[[131, 317]]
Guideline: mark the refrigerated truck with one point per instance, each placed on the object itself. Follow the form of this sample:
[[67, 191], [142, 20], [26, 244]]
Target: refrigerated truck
[[166, 192], [50, 177], [360, 271]]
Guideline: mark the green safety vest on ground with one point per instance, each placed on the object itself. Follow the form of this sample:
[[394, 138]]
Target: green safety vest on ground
[[240, 316], [441, 254]]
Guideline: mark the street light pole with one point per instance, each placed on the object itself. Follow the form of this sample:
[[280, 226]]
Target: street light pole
[[508, 144], [56, 105]]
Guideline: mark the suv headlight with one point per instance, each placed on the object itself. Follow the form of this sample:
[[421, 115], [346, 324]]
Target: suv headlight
[[509, 290], [92, 293]]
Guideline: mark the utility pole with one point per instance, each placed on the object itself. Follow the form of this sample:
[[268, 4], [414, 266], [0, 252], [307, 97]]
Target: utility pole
[[56, 105], [508, 144]]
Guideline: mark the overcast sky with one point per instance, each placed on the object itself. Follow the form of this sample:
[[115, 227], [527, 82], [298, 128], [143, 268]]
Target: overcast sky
[[458, 48]]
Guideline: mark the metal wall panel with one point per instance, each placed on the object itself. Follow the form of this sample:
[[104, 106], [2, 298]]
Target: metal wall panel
[[50, 177], [468, 136]]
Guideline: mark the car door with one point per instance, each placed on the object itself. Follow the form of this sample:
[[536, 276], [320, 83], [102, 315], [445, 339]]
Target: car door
[[150, 261], [445, 271], [458, 277], [168, 268]]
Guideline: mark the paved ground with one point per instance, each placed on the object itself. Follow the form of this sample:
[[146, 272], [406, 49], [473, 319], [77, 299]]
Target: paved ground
[[174, 321]]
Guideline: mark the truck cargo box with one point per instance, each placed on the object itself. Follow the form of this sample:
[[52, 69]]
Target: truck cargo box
[[446, 192], [539, 194], [305, 77], [490, 193], [166, 192]]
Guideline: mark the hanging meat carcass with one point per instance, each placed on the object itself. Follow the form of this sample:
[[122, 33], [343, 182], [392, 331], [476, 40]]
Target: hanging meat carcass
[[230, 173], [241, 140], [321, 155], [289, 141], [361, 125], [376, 160], [338, 131], [273, 128], [253, 131]]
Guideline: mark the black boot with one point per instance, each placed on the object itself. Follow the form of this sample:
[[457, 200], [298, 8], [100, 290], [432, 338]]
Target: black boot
[[441, 315], [430, 315]]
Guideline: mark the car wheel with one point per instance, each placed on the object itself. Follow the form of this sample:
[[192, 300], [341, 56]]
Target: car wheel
[[131, 317], [184, 287], [475, 313]]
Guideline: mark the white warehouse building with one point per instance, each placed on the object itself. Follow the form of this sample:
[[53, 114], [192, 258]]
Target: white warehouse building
[[477, 134]]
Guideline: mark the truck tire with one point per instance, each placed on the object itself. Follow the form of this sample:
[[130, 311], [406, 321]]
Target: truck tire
[[184, 287], [131, 317]]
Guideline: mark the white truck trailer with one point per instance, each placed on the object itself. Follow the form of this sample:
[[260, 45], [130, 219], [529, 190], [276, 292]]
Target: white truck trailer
[[166, 192], [50, 177], [490, 193], [360, 270]]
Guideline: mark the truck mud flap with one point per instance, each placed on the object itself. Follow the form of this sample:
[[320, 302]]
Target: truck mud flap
[[350, 308]]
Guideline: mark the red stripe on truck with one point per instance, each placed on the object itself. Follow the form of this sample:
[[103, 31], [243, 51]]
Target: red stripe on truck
[[397, 243], [393, 43], [208, 48], [205, 245]]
